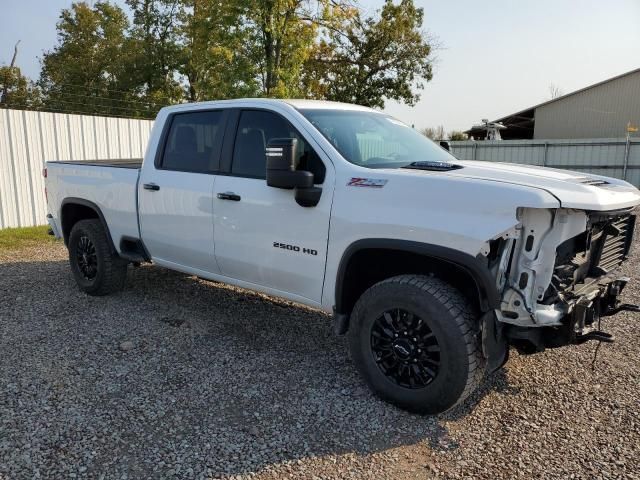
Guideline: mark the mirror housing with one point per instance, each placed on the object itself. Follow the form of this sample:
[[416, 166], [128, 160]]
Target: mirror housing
[[282, 171], [446, 145]]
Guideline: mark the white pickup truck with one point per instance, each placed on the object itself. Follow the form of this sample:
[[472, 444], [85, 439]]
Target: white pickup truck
[[433, 266]]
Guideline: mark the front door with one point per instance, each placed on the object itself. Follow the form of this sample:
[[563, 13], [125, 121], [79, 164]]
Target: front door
[[175, 194], [262, 235]]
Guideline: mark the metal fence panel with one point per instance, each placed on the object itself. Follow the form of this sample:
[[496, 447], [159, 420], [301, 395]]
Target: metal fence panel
[[612, 157], [29, 139]]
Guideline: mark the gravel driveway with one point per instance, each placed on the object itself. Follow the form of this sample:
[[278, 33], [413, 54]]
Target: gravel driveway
[[182, 378]]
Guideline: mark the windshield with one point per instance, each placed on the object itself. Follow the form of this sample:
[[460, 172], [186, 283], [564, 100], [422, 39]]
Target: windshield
[[375, 140]]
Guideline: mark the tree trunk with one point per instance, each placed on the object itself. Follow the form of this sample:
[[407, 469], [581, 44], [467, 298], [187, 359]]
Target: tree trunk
[[5, 87]]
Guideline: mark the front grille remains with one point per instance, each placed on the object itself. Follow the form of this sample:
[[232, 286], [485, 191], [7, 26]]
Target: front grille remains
[[612, 244], [593, 253]]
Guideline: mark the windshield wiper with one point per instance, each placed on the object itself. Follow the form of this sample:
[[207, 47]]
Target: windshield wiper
[[433, 166]]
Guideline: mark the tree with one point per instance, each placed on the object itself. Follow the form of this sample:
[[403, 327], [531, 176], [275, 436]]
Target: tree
[[218, 57], [436, 133], [456, 136], [153, 50], [16, 91], [176, 50], [367, 61], [89, 69], [283, 32]]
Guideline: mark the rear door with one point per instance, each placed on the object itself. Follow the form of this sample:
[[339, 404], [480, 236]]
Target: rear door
[[262, 235], [176, 196]]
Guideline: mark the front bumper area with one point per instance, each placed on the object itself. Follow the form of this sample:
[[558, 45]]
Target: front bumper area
[[588, 306]]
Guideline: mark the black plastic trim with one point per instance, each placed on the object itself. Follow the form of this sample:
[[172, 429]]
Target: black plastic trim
[[143, 254], [488, 295], [95, 208]]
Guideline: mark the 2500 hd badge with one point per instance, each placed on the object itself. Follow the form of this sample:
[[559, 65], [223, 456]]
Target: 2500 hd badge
[[295, 248]]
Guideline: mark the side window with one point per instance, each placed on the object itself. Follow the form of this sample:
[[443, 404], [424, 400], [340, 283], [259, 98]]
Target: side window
[[193, 142], [255, 129]]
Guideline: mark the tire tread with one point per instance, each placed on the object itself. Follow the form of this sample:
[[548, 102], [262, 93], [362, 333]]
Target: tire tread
[[461, 311]]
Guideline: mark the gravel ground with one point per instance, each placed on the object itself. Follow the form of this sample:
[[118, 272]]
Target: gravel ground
[[182, 378]]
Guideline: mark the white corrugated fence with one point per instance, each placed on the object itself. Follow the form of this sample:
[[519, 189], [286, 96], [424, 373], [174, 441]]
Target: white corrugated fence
[[612, 157], [28, 139]]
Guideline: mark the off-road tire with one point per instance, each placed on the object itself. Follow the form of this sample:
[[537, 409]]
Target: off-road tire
[[111, 270], [451, 319]]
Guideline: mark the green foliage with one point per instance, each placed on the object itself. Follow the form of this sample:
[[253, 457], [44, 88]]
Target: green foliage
[[152, 51], [282, 35], [16, 91], [217, 58], [456, 135], [367, 61], [88, 70], [193, 50]]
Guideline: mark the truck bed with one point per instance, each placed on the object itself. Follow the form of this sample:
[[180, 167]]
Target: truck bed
[[118, 163], [109, 185]]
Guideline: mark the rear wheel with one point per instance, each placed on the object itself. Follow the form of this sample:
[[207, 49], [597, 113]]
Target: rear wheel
[[416, 342], [96, 269]]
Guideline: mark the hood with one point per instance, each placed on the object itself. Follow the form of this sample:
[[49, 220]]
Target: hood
[[573, 189]]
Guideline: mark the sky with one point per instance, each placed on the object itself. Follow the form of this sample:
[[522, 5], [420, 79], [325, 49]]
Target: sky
[[494, 58]]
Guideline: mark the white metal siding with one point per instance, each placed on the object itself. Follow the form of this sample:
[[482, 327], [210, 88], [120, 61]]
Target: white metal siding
[[601, 111], [29, 139]]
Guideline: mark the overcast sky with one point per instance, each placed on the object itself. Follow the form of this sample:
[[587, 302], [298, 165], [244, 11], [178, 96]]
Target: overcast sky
[[496, 57]]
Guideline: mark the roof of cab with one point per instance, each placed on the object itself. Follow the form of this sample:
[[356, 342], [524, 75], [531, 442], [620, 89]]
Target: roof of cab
[[299, 104]]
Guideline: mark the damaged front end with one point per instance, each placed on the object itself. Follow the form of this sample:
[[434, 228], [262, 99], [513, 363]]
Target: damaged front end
[[557, 273]]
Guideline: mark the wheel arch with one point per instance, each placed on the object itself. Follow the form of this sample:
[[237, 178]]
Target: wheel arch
[[73, 209], [392, 257]]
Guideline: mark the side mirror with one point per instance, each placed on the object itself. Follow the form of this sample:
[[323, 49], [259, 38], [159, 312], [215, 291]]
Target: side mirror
[[446, 145], [282, 172]]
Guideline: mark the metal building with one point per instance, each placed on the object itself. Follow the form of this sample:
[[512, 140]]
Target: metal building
[[602, 110]]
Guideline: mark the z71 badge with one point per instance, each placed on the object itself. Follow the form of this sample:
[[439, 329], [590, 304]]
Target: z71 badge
[[295, 248], [367, 182]]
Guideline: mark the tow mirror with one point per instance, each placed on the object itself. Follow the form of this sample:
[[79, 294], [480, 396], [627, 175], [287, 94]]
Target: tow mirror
[[282, 171]]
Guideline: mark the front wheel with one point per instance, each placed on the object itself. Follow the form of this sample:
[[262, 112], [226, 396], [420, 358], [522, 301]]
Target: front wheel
[[416, 342], [96, 269]]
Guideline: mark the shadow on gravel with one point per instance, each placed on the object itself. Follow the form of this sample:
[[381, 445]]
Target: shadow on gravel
[[218, 382]]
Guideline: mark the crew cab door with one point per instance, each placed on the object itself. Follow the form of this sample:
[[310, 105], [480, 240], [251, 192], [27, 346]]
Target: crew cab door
[[175, 192], [262, 235]]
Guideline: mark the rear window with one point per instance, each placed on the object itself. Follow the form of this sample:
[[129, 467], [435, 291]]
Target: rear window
[[194, 141]]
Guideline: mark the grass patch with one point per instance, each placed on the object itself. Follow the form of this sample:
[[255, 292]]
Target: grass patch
[[17, 238]]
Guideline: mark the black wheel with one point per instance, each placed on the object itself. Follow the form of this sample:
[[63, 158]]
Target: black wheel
[[416, 342], [96, 269]]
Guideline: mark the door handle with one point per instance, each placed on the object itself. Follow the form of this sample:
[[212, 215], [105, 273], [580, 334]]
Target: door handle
[[151, 186], [229, 196]]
